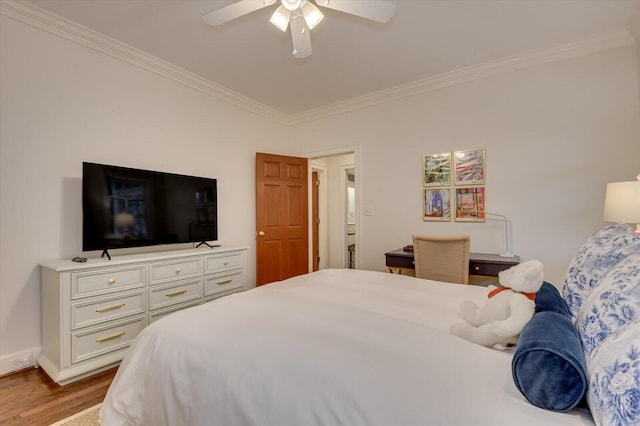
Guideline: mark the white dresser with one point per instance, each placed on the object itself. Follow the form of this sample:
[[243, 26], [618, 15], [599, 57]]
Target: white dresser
[[92, 311]]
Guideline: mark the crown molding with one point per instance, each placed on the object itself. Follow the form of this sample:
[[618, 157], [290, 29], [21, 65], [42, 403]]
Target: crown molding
[[467, 74], [57, 25]]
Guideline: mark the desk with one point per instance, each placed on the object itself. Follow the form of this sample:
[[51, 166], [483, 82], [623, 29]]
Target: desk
[[483, 267]]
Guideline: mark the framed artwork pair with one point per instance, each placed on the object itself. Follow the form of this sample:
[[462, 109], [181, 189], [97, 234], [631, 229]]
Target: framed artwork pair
[[453, 185]]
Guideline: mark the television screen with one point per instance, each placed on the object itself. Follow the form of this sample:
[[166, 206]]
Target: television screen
[[124, 207]]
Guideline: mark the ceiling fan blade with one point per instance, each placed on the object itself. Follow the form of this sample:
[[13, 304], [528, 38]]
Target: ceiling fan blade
[[375, 10], [235, 10], [301, 37]]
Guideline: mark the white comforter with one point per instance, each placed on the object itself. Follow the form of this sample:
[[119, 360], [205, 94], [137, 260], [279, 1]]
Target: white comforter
[[335, 347]]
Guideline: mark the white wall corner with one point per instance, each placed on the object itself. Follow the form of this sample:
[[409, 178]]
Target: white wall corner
[[464, 75], [57, 25], [19, 360], [634, 25]]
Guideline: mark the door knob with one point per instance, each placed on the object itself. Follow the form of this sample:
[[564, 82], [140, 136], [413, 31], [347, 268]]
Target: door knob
[[261, 234]]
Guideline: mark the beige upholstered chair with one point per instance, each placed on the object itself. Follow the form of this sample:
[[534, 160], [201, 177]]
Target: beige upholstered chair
[[442, 258]]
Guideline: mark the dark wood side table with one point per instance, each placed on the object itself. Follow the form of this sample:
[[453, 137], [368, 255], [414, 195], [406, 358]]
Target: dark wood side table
[[483, 267]]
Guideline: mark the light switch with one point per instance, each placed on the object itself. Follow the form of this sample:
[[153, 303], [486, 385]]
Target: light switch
[[368, 210]]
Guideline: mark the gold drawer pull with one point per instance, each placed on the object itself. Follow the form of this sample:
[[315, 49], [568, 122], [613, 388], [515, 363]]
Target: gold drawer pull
[[177, 270], [112, 280], [226, 262], [224, 282], [176, 293], [110, 308], [113, 336], [477, 268]]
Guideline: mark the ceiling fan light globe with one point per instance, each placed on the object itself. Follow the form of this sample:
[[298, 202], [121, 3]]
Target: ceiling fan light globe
[[312, 15], [291, 4], [280, 18]]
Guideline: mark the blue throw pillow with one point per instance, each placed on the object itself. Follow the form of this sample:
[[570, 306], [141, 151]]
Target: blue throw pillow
[[548, 366], [548, 299]]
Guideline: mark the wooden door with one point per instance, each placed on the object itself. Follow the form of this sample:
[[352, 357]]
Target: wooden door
[[282, 239], [315, 221]]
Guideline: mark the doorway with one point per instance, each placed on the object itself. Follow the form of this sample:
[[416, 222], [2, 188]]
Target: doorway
[[348, 185], [337, 204]]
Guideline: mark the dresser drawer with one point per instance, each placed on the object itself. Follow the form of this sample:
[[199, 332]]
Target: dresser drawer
[[175, 293], [99, 310], [92, 311], [223, 282], [161, 313], [106, 280], [97, 341], [167, 271], [220, 262]]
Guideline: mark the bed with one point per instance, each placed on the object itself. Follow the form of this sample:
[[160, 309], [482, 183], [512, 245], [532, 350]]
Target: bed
[[350, 347], [334, 347]]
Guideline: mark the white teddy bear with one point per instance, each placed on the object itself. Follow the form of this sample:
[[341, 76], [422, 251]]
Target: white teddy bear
[[507, 310]]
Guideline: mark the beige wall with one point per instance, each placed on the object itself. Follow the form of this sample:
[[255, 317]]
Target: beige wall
[[63, 104], [634, 29], [555, 134]]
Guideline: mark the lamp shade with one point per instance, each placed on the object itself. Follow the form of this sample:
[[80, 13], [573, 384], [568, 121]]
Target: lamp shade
[[280, 18], [622, 202], [312, 15]]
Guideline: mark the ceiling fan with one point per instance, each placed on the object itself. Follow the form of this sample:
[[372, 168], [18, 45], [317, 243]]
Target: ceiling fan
[[303, 16]]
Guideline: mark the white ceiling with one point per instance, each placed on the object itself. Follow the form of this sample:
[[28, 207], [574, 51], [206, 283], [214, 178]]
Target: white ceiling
[[351, 57]]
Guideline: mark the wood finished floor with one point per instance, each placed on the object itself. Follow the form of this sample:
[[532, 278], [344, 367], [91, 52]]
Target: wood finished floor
[[31, 398]]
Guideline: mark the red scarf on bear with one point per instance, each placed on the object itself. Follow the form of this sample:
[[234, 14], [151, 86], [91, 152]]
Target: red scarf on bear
[[531, 296]]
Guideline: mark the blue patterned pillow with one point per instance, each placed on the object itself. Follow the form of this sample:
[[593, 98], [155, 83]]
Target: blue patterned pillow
[[614, 303], [602, 251], [614, 378]]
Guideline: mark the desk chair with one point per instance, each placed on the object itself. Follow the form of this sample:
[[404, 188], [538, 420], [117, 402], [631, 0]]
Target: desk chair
[[442, 258]]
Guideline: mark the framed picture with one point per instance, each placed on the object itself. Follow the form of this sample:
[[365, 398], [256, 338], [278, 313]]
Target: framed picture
[[469, 167], [437, 169], [470, 203], [437, 204]]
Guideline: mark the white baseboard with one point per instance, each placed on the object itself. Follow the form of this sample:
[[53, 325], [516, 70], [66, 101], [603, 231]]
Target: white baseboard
[[19, 360]]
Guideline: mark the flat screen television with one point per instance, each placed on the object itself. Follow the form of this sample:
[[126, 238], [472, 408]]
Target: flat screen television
[[125, 207]]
